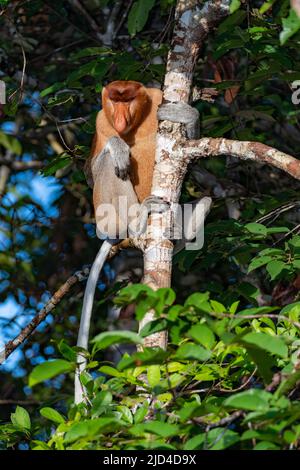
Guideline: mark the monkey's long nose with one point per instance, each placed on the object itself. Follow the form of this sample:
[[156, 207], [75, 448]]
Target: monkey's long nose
[[121, 119], [120, 123]]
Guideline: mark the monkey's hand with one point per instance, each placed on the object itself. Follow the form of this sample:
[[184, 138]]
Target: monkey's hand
[[181, 113], [120, 154]]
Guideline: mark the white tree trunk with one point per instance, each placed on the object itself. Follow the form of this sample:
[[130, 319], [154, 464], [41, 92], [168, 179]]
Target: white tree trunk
[[192, 24]]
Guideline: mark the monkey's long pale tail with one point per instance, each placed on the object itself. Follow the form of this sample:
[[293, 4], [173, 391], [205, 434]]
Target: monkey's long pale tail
[[85, 321]]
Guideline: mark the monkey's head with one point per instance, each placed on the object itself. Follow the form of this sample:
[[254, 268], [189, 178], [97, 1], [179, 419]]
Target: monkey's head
[[125, 104]]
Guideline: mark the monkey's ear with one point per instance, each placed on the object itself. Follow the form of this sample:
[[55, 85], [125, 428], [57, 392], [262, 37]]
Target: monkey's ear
[[104, 94]]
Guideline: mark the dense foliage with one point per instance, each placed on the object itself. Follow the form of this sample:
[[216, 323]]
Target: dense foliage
[[230, 377]]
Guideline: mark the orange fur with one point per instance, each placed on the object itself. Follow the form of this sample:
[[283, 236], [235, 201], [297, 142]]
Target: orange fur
[[140, 134]]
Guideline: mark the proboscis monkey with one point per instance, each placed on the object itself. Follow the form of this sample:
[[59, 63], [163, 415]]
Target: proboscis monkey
[[121, 165]]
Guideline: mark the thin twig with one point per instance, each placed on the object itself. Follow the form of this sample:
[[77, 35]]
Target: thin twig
[[50, 305], [78, 276], [19, 402], [288, 234], [274, 214], [124, 16], [222, 422], [238, 389]]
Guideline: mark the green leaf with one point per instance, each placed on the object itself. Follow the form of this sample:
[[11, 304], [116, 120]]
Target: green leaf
[[67, 352], [166, 297], [138, 15], [140, 413], [110, 371], [275, 267], [52, 89], [20, 418], [39, 445], [90, 51], [292, 309], [134, 293], [148, 356], [155, 427], [195, 443], [265, 445], [248, 291], [153, 327], [266, 6], [277, 230], [10, 143], [253, 400], [95, 68], [217, 306], [235, 5], [52, 414], [90, 428], [272, 344], [265, 363], [256, 229], [219, 439], [291, 25], [153, 375], [199, 300], [192, 351], [48, 370], [258, 262], [271, 252], [296, 263], [203, 335], [288, 384], [59, 162], [101, 402], [215, 439], [106, 339], [295, 241]]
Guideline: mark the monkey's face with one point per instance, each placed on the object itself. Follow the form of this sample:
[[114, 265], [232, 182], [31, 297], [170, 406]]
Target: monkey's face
[[124, 104]]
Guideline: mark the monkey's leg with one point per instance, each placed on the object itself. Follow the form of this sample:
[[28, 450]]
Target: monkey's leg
[[110, 171], [113, 194], [152, 204], [181, 113], [193, 225]]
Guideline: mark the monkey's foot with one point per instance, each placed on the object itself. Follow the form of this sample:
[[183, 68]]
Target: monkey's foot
[[155, 205]]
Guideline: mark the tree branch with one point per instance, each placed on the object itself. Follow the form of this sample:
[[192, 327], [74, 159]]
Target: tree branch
[[50, 305], [249, 151], [4, 175], [21, 165], [76, 4], [27, 331]]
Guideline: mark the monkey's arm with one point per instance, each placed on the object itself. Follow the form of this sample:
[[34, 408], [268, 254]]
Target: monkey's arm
[[181, 113], [120, 155], [119, 152]]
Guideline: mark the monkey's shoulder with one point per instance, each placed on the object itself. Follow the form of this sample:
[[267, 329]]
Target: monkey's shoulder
[[103, 126], [155, 95]]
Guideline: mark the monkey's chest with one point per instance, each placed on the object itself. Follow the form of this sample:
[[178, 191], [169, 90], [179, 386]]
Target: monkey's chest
[[142, 164]]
